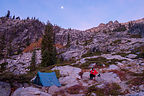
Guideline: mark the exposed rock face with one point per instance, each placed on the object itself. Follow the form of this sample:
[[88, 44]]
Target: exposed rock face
[[19, 64], [110, 78], [69, 75]]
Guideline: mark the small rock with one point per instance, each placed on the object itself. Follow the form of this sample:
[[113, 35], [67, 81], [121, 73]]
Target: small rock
[[5, 89], [142, 64], [93, 94], [141, 87], [85, 75], [26, 85], [100, 86], [113, 67], [53, 89], [131, 56], [120, 64]]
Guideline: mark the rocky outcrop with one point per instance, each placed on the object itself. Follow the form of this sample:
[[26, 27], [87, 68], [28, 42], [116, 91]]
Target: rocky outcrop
[[5, 89]]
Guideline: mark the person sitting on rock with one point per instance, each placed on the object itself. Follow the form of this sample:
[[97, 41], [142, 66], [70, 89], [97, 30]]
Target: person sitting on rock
[[93, 73]]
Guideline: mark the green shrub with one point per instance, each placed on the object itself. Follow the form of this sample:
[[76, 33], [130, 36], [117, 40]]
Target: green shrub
[[117, 41], [74, 89], [138, 80], [84, 65], [139, 50], [112, 89], [9, 77], [122, 54], [89, 54], [135, 36], [3, 66], [100, 61]]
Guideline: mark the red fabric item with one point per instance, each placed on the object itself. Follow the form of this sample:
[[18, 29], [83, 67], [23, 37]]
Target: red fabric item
[[94, 72]]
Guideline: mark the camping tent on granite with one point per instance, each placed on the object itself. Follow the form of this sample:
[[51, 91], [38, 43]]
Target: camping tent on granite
[[46, 79]]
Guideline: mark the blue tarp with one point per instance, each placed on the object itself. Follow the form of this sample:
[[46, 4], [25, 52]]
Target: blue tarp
[[46, 79]]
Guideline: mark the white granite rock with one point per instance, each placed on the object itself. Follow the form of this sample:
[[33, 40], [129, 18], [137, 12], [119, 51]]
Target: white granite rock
[[120, 64], [29, 91], [131, 56], [113, 67], [53, 89], [68, 71], [86, 75], [109, 77]]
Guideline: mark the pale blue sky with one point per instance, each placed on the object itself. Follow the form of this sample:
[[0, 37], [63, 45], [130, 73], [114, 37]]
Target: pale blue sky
[[77, 14]]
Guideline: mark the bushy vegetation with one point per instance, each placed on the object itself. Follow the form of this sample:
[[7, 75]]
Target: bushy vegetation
[[122, 54], [3, 66], [89, 54], [33, 61], [9, 77], [87, 42], [135, 36], [99, 62], [75, 89], [137, 80], [68, 41], [119, 29], [117, 41], [139, 51], [112, 89]]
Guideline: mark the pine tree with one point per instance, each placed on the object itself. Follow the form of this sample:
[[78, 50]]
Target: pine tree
[[47, 48], [77, 43], [33, 61], [68, 40], [8, 14], [86, 42], [13, 17]]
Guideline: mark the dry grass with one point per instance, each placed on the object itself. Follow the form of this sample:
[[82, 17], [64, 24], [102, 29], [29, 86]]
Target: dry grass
[[112, 89], [32, 46], [37, 44], [60, 93], [75, 89], [137, 80]]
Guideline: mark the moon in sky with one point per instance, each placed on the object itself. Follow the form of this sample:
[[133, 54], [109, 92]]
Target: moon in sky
[[62, 7]]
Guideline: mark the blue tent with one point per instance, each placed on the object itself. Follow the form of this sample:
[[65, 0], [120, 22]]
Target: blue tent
[[46, 79]]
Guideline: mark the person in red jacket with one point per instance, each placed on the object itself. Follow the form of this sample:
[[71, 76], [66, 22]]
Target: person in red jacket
[[93, 73]]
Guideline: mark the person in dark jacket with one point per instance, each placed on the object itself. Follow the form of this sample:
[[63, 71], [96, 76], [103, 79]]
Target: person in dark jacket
[[93, 73]]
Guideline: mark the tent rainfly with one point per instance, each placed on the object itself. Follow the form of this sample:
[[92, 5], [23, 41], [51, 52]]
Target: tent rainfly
[[46, 79]]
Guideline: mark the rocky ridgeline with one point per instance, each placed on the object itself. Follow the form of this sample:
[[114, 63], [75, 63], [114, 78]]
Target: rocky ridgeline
[[17, 34]]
